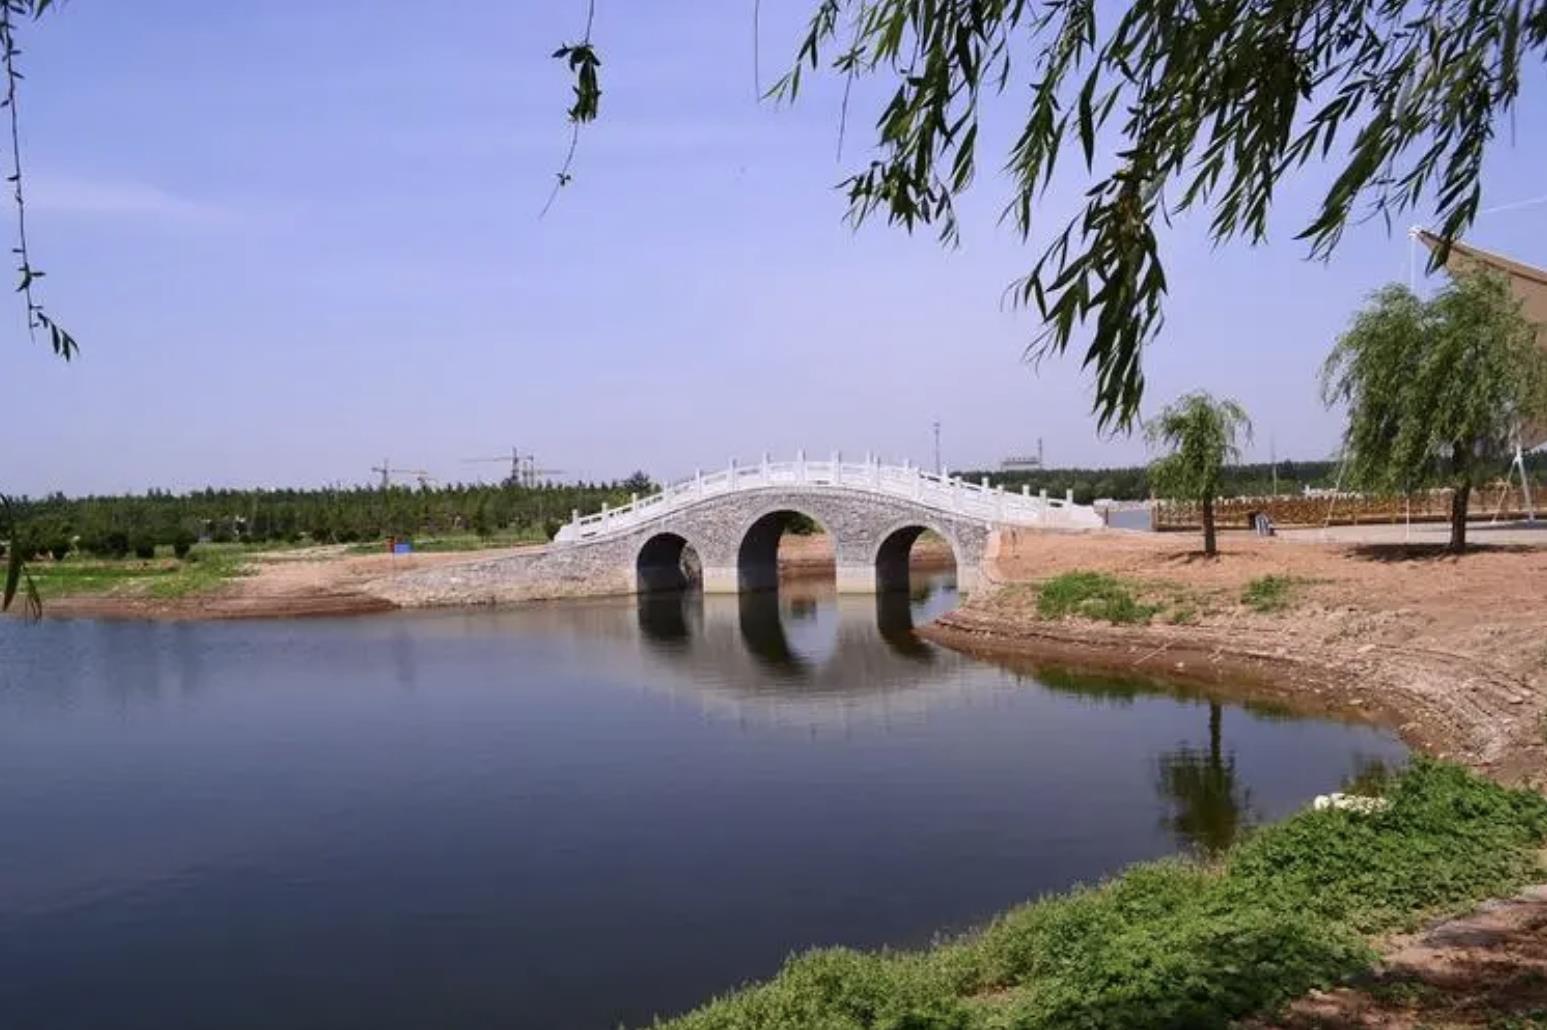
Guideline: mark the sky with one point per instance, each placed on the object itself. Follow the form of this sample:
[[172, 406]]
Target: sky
[[295, 238]]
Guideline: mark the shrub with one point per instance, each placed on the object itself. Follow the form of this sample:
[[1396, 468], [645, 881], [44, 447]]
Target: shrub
[[59, 546], [1091, 595], [182, 542], [144, 545], [1268, 593], [109, 543], [551, 528], [222, 535]]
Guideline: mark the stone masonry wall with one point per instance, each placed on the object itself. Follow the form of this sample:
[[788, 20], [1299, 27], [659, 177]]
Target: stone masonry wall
[[856, 521]]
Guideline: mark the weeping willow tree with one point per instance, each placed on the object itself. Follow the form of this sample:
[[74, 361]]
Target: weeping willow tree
[[1438, 392], [1202, 434], [1168, 107]]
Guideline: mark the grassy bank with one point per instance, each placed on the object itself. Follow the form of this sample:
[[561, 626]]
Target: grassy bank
[[160, 577], [1179, 943]]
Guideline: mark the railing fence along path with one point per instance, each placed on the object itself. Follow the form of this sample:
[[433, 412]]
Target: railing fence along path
[[941, 492]]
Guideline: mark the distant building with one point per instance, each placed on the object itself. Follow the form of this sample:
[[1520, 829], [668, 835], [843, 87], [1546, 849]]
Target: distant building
[[1023, 462]]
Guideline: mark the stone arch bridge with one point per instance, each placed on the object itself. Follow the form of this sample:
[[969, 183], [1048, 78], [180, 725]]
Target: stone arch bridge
[[732, 520]]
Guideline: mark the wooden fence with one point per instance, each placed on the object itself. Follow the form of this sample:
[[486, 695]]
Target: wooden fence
[[1342, 509]]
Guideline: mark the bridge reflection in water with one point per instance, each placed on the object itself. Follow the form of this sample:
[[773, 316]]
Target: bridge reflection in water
[[801, 653]]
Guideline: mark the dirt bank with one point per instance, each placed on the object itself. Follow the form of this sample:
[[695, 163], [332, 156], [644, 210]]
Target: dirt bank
[[332, 581], [279, 584], [1451, 652]]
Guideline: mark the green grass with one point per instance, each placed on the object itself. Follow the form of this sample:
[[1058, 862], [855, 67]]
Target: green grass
[[159, 577], [1268, 593], [459, 541], [1092, 595], [1177, 943]]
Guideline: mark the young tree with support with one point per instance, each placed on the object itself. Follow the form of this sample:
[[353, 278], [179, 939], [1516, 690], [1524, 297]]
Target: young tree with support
[[1202, 434], [1438, 391]]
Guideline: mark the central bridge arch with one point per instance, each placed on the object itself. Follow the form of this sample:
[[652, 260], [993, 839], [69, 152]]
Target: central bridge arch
[[757, 555], [894, 551]]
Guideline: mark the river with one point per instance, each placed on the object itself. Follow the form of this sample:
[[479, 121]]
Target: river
[[565, 815]]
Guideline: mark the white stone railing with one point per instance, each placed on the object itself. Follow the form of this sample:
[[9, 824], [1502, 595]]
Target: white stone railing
[[947, 494]]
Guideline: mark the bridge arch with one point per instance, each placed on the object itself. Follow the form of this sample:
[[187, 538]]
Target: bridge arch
[[757, 548], [666, 561], [895, 545]]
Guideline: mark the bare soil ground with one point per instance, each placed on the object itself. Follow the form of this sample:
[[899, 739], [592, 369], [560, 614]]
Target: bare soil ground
[[278, 584], [1487, 969]]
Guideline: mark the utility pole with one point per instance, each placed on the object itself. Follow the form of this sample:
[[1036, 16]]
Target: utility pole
[[1273, 458], [938, 466]]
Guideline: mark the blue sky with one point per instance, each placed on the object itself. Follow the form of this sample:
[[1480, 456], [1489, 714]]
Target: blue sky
[[296, 237]]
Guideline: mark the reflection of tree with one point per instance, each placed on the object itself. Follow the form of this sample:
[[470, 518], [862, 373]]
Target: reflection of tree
[[1210, 807]]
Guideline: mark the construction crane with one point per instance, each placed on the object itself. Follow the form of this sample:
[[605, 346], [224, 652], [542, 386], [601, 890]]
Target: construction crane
[[523, 468], [515, 458], [386, 472]]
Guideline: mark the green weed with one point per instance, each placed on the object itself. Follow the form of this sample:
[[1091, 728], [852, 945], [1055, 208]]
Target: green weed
[[1268, 593], [1178, 943], [1091, 595], [207, 567]]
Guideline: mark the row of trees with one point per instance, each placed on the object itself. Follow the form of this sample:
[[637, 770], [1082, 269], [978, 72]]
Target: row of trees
[[1439, 393], [1136, 482], [116, 526]]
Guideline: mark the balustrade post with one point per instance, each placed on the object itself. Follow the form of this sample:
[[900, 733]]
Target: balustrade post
[[1042, 502], [633, 500], [574, 516], [765, 468], [605, 516], [875, 473], [732, 474], [800, 465], [698, 481], [999, 495], [1068, 496]]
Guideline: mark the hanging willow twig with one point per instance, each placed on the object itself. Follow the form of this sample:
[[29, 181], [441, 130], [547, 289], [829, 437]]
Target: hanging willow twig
[[28, 274], [17, 578], [583, 64]]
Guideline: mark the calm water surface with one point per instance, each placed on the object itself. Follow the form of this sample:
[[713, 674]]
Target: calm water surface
[[570, 815]]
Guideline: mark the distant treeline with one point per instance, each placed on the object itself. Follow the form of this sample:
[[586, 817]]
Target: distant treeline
[[115, 526], [1132, 483]]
